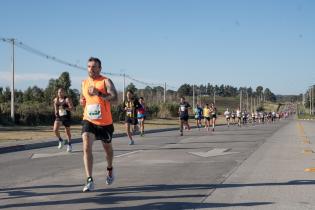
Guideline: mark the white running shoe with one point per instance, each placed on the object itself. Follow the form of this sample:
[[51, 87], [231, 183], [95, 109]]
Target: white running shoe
[[131, 142], [61, 144], [69, 148], [89, 186], [110, 177]]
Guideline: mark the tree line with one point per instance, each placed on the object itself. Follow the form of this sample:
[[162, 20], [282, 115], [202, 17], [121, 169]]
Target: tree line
[[33, 106]]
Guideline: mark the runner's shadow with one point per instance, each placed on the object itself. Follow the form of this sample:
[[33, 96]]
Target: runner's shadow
[[116, 196], [185, 205], [146, 195]]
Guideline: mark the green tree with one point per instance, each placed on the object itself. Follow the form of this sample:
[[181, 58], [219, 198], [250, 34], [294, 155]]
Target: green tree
[[184, 90], [131, 87], [269, 96], [7, 94], [50, 91], [2, 99], [259, 90], [64, 81]]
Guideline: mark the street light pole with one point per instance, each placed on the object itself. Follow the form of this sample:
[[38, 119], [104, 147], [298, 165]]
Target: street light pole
[[124, 87], [241, 100], [193, 97], [12, 87], [164, 92]]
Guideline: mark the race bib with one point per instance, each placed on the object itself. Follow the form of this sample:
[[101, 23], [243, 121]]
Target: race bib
[[94, 111], [62, 112], [182, 108]]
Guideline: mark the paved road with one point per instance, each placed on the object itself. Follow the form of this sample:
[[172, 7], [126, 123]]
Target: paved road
[[162, 171]]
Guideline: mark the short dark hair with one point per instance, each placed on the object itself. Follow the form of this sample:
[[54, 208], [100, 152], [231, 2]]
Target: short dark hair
[[142, 98], [96, 60]]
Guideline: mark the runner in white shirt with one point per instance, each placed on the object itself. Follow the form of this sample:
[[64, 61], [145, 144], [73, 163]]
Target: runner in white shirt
[[233, 115], [239, 116], [227, 115]]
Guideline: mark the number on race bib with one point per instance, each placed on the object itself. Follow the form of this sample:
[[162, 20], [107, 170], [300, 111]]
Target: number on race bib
[[94, 111]]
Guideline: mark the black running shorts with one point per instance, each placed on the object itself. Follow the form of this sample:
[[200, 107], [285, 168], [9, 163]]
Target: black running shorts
[[104, 133], [184, 117], [66, 120], [131, 120]]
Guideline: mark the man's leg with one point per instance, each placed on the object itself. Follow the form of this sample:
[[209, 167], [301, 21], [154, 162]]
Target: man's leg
[[108, 148], [88, 139]]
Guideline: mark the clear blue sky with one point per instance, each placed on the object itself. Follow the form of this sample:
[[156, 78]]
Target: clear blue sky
[[236, 42]]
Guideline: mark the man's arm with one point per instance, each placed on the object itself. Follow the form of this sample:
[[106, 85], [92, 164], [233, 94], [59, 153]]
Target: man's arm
[[111, 91], [82, 98]]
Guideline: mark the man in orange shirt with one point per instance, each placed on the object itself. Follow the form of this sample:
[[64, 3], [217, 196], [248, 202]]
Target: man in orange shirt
[[97, 92]]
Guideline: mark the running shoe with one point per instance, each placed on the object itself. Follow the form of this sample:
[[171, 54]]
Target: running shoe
[[69, 148], [89, 185], [131, 142], [110, 177], [61, 144]]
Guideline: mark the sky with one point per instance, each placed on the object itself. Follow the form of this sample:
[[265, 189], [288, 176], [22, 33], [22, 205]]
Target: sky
[[232, 42]]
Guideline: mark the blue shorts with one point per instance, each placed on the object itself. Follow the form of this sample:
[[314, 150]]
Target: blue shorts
[[141, 116]]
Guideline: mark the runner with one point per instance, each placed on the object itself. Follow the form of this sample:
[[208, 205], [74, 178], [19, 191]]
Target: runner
[[244, 117], [131, 106], [183, 114], [253, 118], [63, 107], [198, 116], [239, 116], [141, 115], [233, 115], [206, 115], [213, 111], [97, 92], [227, 115], [273, 117]]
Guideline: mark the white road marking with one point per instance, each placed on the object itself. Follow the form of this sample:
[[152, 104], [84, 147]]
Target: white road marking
[[213, 152]]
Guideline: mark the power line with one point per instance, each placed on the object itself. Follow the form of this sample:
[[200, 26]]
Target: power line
[[61, 61]]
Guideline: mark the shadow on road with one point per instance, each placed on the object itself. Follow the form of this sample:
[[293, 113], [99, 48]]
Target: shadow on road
[[149, 196]]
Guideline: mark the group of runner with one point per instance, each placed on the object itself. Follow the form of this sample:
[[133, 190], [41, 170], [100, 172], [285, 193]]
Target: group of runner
[[97, 93], [242, 118], [209, 114]]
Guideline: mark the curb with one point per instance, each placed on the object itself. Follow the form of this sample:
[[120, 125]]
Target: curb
[[23, 147]]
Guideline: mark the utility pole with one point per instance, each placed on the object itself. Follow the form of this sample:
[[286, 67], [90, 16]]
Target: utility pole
[[312, 99], [124, 88], [165, 92], [310, 96], [251, 103], [12, 87], [241, 100], [246, 100], [193, 97]]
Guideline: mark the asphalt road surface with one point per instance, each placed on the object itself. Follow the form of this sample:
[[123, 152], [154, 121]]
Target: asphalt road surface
[[161, 171]]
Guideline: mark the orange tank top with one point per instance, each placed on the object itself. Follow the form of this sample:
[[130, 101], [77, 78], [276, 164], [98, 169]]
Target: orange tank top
[[96, 109]]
